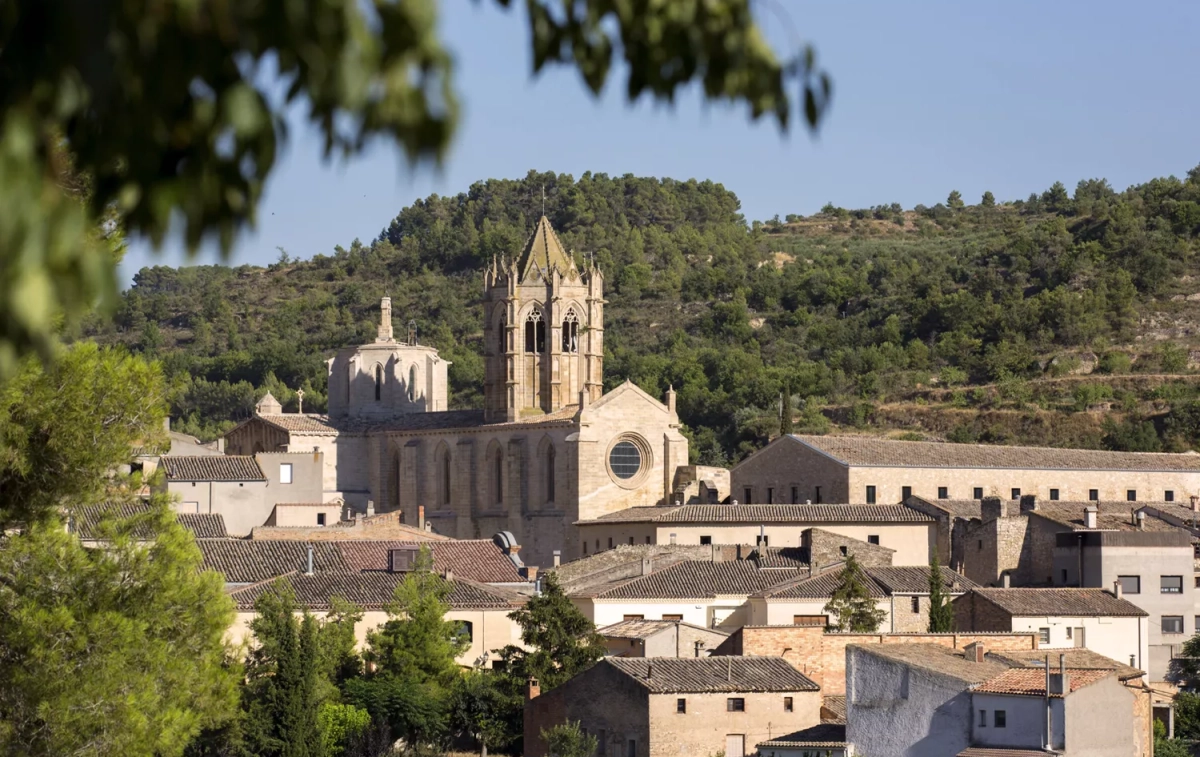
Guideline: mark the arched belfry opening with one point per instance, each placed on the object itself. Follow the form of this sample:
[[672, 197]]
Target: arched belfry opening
[[552, 349], [378, 382]]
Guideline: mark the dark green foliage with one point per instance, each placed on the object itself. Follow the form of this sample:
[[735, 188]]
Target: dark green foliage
[[1164, 747], [1187, 715], [725, 312], [568, 740], [941, 612], [1131, 435], [851, 604]]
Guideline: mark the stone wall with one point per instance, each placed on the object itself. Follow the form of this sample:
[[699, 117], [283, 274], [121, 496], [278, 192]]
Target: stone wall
[[702, 730], [786, 465], [974, 613], [607, 704], [822, 656]]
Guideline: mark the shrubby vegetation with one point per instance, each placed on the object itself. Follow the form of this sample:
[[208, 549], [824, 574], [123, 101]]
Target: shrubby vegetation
[[849, 311]]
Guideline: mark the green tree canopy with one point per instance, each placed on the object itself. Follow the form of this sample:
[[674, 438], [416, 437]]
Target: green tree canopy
[[111, 651], [569, 740], [851, 603], [168, 110], [561, 642]]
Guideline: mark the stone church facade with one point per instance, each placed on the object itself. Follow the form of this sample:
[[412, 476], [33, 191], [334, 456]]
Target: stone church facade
[[548, 449]]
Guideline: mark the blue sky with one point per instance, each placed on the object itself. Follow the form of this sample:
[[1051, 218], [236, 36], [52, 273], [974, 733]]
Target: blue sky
[[928, 97]]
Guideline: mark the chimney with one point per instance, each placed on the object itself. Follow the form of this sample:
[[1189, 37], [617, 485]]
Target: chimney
[[421, 517], [449, 574], [557, 557], [532, 689], [1141, 520], [530, 572], [673, 538], [1117, 589], [1060, 682], [1090, 515], [370, 507], [1195, 504], [1006, 580], [649, 670], [975, 651], [647, 566], [167, 424], [309, 571]]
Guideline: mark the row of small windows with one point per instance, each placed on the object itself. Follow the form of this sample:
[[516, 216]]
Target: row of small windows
[[943, 492], [733, 704], [535, 332], [999, 719]]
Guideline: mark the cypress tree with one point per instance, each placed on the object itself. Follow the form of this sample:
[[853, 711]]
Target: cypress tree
[[785, 410], [941, 614]]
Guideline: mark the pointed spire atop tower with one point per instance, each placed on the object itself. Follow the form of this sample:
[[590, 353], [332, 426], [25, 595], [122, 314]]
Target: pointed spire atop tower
[[268, 405], [385, 321], [543, 252]]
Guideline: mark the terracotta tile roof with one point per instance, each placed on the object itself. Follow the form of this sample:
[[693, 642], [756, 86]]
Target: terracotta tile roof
[[307, 423], [698, 579], [833, 708], [322, 425], [472, 559], [766, 514], [987, 751], [1032, 682], [780, 557], [881, 582], [958, 508], [644, 629], [873, 451], [937, 659], [1077, 658], [86, 520], [1118, 516], [703, 675], [373, 591], [309, 504], [212, 468], [1062, 602], [249, 561], [824, 735]]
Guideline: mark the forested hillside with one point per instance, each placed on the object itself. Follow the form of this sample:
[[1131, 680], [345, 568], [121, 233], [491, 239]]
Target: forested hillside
[[1062, 319]]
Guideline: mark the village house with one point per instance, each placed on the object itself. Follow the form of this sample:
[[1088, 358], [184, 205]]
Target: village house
[[927, 700], [676, 707], [660, 638], [480, 610], [1063, 618], [911, 535], [795, 469], [85, 522]]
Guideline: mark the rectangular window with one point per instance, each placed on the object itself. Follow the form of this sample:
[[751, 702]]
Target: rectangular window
[[787, 704], [320, 519], [977, 492], [810, 620], [1169, 495], [981, 545], [585, 546], [634, 617], [905, 492], [983, 718], [795, 495], [1053, 498], [999, 718], [770, 495], [749, 494], [1130, 584], [706, 540], [817, 495], [1016, 494], [285, 473], [1131, 495], [872, 538], [1043, 635], [1172, 624], [681, 706], [1093, 495], [916, 604], [1171, 584], [870, 495], [610, 542], [1064, 575], [632, 749], [735, 704], [631, 541], [943, 492], [673, 617], [647, 539]]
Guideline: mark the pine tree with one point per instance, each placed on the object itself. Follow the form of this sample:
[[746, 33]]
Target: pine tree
[[941, 613], [852, 603], [988, 201]]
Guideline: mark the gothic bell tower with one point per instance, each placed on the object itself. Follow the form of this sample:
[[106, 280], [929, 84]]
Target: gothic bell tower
[[543, 330]]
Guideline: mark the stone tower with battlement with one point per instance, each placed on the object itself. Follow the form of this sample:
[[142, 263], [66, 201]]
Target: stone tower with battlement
[[543, 331]]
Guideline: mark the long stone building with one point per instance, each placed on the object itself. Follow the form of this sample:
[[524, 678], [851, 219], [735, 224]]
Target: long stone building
[[795, 469], [548, 448]]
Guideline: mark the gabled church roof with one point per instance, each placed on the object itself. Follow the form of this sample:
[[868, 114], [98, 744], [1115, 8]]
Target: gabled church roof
[[544, 251]]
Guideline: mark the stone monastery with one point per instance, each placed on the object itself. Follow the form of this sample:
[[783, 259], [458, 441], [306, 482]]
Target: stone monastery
[[548, 449]]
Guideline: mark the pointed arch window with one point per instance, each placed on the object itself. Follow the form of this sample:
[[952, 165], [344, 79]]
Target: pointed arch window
[[550, 455], [378, 382], [570, 332], [446, 477], [498, 477], [412, 384], [535, 332]]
